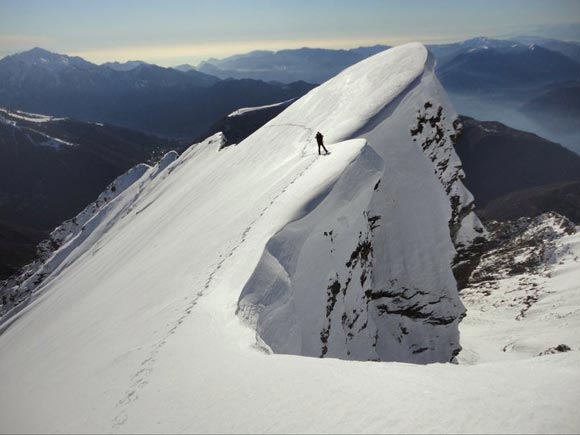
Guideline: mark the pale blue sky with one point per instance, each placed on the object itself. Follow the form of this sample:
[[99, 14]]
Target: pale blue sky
[[168, 32]]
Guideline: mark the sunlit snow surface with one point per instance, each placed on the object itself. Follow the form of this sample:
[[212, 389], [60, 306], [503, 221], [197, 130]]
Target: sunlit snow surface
[[134, 330], [245, 110]]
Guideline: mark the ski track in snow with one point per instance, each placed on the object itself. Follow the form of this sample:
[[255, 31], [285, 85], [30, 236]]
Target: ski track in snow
[[141, 377]]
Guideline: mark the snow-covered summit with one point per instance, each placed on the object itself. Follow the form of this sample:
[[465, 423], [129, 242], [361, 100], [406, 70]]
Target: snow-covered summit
[[370, 312], [348, 255]]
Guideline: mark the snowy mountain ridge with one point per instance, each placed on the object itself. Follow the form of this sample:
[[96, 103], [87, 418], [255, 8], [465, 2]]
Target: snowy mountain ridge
[[344, 256], [371, 313], [64, 240], [358, 243]]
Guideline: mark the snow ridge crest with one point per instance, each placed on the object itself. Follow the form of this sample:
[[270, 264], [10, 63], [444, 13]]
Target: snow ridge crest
[[370, 277]]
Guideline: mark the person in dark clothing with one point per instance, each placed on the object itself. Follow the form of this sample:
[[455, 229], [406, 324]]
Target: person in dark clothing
[[320, 142]]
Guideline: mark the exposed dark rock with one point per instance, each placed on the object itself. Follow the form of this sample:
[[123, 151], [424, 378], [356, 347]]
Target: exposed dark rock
[[521, 246], [557, 349], [523, 249], [360, 262], [333, 291]]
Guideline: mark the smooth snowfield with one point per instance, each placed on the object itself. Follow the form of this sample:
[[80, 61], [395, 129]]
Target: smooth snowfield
[[135, 329]]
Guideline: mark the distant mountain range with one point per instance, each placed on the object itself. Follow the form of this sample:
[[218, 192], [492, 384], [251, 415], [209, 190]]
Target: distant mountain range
[[184, 67], [124, 66], [489, 79], [493, 67], [51, 168], [570, 49], [511, 173], [141, 96], [528, 82], [557, 108], [313, 65], [317, 65]]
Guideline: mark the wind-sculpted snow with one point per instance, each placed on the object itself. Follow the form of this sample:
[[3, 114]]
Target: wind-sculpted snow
[[374, 257], [134, 327]]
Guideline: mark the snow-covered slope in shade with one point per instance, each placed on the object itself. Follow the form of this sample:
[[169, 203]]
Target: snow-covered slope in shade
[[136, 330]]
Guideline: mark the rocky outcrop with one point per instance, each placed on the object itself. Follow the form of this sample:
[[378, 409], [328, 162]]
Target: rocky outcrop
[[437, 136], [518, 256], [556, 349], [526, 245], [367, 274]]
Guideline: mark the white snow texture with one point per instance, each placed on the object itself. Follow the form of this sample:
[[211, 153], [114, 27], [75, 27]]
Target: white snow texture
[[128, 321]]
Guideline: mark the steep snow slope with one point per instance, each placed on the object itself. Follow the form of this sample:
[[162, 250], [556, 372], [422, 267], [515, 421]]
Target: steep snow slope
[[135, 329], [374, 256]]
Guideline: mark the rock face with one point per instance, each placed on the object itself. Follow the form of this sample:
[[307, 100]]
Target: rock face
[[375, 256], [556, 349], [525, 245], [436, 138], [518, 256], [358, 263]]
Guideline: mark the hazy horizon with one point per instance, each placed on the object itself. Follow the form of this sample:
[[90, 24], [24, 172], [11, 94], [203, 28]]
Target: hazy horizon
[[180, 32]]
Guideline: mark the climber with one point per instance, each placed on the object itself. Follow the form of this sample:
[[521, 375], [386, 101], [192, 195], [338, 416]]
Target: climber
[[320, 142]]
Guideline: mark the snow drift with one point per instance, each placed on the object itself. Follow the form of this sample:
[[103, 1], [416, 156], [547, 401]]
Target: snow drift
[[362, 271], [133, 328], [365, 273]]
